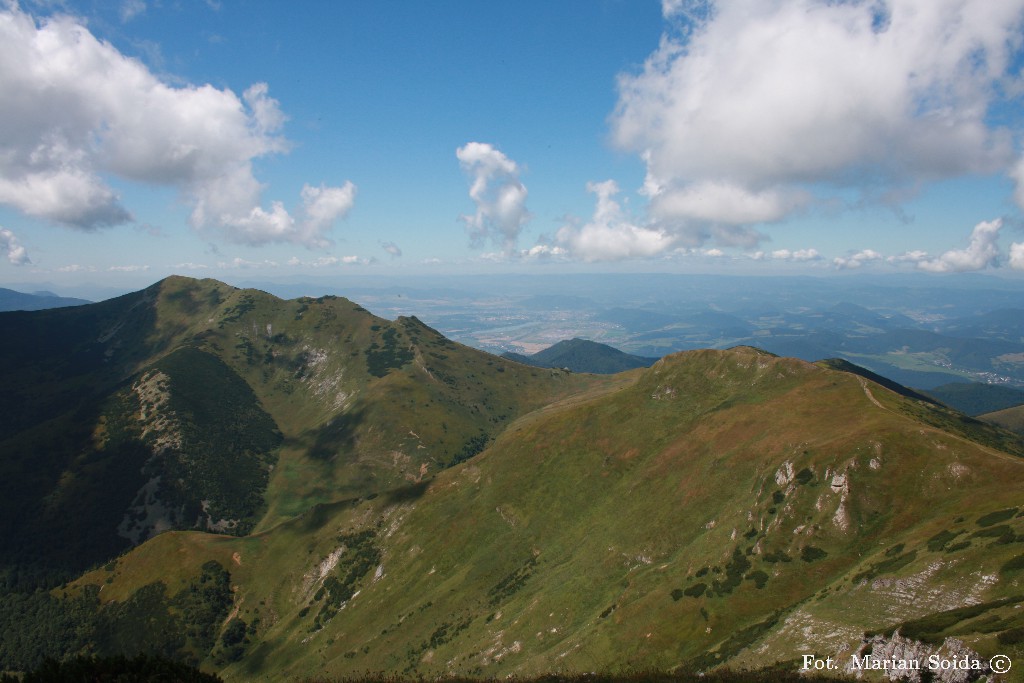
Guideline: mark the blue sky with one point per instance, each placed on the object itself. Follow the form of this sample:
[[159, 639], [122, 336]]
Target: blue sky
[[263, 139]]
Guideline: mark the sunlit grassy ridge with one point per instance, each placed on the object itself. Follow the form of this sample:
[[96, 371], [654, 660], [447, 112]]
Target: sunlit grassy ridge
[[436, 511], [1010, 418], [721, 507]]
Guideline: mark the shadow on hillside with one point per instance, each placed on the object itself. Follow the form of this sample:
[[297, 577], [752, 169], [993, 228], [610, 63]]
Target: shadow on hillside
[[337, 436], [406, 494], [63, 489], [185, 300], [254, 662], [320, 514]]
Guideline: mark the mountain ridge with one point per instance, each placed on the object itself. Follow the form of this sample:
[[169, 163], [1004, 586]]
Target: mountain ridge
[[533, 545], [11, 300], [433, 510], [83, 380]]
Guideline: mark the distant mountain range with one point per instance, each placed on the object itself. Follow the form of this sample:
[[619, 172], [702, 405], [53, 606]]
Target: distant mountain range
[[288, 490], [11, 300], [582, 355], [975, 398], [918, 331]]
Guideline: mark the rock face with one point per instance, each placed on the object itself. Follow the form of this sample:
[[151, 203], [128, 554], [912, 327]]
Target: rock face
[[841, 485], [785, 474], [902, 659]]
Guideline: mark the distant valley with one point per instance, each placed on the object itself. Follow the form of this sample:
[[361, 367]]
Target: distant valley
[[918, 331]]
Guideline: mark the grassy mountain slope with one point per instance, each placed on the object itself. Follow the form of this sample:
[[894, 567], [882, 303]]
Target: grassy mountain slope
[[846, 366], [193, 404], [1009, 418], [718, 507], [582, 355]]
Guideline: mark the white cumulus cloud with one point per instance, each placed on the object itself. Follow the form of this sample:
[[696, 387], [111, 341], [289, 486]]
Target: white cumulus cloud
[[857, 260], [499, 195], [724, 202], [16, 253], [611, 234], [543, 251], [322, 206], [76, 111], [1017, 255], [756, 108], [796, 255], [981, 252]]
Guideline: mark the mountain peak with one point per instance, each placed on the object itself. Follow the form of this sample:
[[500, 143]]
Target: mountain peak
[[584, 355]]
